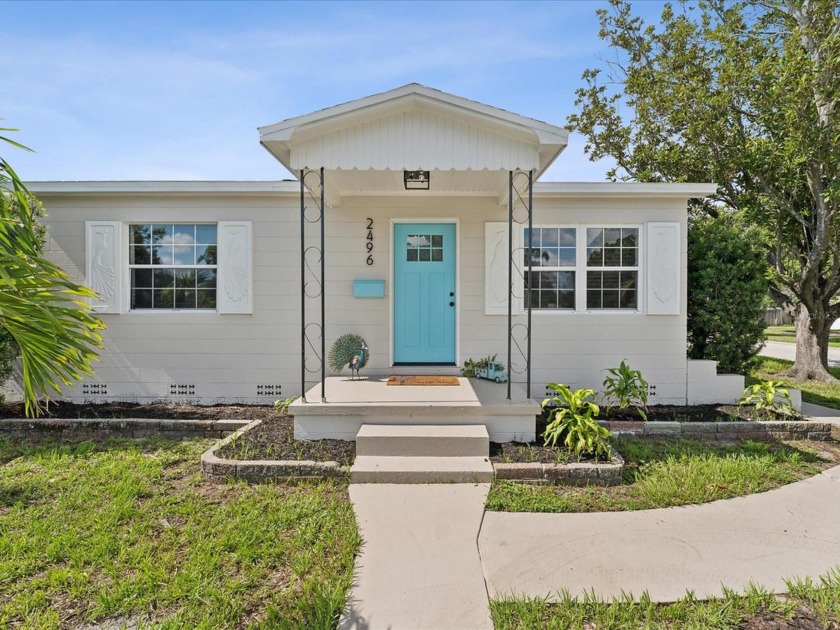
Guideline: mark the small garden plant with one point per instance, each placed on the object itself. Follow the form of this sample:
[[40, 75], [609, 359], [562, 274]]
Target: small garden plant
[[573, 415], [282, 406], [625, 388], [769, 398]]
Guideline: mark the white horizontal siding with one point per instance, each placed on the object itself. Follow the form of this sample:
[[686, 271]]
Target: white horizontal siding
[[227, 356]]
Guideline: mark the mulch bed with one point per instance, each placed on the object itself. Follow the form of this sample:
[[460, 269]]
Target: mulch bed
[[158, 411], [274, 439], [521, 452], [694, 413]]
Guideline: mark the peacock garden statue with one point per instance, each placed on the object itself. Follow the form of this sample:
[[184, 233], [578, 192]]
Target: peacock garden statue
[[349, 350]]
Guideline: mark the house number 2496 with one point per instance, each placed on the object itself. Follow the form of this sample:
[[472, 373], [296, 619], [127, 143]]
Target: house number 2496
[[369, 241]]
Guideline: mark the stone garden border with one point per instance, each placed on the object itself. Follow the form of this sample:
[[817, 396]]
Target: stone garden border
[[730, 431], [103, 428], [589, 474], [258, 471]]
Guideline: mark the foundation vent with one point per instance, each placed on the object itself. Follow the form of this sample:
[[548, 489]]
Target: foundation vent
[[269, 390], [95, 389], [182, 389]]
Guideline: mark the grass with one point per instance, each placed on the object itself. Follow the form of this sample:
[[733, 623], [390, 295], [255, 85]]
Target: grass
[[132, 532], [817, 604], [788, 335], [665, 473], [826, 394]]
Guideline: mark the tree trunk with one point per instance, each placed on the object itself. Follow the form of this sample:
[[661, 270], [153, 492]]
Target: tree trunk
[[812, 332]]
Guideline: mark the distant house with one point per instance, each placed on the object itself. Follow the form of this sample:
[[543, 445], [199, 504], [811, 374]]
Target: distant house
[[415, 190]]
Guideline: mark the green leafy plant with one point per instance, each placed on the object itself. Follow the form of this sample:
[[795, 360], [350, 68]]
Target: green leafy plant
[[574, 414], [769, 397], [41, 308], [472, 366], [282, 406], [625, 387]]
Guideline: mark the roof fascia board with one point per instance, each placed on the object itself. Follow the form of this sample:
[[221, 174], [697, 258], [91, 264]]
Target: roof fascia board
[[544, 131], [685, 190], [164, 187]]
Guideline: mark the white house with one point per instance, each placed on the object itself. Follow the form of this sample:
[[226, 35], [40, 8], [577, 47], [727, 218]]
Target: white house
[[407, 198]]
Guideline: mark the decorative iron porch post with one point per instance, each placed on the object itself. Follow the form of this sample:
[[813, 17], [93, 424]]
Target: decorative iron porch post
[[521, 199], [312, 285]]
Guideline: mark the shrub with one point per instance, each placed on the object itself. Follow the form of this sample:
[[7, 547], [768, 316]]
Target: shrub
[[726, 291], [625, 388], [768, 397], [575, 416]]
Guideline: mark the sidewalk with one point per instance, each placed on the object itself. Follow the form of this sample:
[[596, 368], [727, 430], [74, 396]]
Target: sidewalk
[[782, 350]]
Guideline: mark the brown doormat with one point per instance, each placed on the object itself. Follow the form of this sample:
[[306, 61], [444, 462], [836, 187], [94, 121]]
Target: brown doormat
[[422, 380]]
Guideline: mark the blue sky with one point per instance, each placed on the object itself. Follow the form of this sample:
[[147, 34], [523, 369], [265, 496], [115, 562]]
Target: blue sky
[[176, 90]]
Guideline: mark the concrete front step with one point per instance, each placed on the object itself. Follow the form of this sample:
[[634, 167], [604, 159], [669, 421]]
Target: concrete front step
[[383, 469], [422, 440]]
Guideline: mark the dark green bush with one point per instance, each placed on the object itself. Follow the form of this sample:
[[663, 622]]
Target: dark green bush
[[727, 286]]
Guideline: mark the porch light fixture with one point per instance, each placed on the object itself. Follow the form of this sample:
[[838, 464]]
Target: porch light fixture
[[416, 180]]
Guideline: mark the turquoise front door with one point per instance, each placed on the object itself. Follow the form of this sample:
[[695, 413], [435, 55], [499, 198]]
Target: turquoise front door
[[424, 293]]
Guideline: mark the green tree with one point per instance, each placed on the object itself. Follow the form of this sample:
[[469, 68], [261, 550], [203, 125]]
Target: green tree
[[743, 94], [40, 307], [726, 291]]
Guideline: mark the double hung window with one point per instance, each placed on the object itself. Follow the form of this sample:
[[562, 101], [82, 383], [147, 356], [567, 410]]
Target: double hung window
[[612, 268], [552, 253], [582, 268], [173, 266]]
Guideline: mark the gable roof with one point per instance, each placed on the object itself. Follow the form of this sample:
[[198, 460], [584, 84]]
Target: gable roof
[[340, 137]]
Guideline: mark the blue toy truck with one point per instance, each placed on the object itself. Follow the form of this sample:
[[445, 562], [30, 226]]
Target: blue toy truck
[[493, 372]]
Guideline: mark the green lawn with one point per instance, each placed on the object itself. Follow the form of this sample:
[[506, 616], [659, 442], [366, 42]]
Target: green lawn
[[826, 394], [131, 531], [665, 472], [808, 605], [788, 334]]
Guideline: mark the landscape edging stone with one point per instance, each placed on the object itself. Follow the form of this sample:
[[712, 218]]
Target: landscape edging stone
[[573, 474], [134, 428]]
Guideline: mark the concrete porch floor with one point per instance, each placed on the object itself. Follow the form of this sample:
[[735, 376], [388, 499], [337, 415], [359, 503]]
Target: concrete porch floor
[[349, 404]]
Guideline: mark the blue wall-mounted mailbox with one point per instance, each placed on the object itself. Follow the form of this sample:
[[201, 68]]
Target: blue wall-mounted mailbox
[[369, 288]]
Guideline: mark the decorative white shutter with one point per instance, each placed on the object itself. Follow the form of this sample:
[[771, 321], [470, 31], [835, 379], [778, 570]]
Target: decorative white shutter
[[234, 282], [663, 268], [496, 248], [104, 264]]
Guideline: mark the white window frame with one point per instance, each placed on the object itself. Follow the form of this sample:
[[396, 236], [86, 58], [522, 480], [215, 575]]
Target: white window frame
[[130, 266], [637, 268], [575, 268], [581, 270]]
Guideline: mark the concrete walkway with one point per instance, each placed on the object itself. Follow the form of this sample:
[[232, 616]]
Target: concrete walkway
[[762, 538], [419, 566], [782, 350]]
